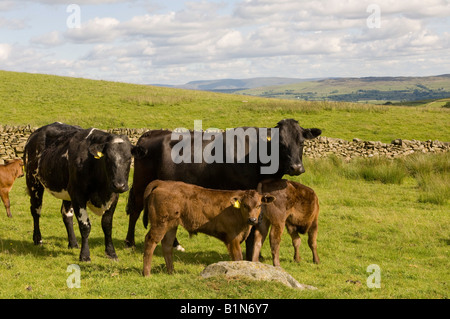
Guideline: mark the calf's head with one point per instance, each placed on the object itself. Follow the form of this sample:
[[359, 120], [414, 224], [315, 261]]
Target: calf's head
[[249, 205], [18, 167], [292, 138], [116, 155]]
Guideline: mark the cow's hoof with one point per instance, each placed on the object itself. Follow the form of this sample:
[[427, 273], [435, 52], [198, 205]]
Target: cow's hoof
[[38, 242], [180, 248], [71, 246], [113, 257], [85, 259], [129, 244]]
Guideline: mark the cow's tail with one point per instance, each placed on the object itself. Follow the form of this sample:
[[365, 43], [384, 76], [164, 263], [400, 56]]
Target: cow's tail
[[146, 200]]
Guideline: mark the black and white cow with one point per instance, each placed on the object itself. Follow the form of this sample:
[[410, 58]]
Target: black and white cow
[[84, 168]]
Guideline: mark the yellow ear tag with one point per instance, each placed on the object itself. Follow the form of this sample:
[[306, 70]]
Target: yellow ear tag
[[269, 138], [237, 204], [99, 155]]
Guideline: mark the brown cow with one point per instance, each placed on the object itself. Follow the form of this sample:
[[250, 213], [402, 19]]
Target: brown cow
[[8, 174], [226, 215], [297, 208]]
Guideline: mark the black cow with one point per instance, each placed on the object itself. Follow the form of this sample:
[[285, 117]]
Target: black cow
[[158, 164], [84, 168]]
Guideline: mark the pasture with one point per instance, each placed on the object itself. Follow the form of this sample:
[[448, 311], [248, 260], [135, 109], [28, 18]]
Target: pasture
[[392, 213]]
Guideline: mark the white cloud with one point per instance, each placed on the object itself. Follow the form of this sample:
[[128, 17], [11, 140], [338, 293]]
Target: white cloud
[[50, 39], [79, 2], [97, 30], [5, 50], [248, 38]]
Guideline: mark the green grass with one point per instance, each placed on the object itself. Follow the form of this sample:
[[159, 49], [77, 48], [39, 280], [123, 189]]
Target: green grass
[[362, 221], [393, 213], [41, 99]]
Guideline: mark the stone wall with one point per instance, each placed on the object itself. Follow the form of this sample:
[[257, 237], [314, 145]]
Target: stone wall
[[13, 139], [325, 146]]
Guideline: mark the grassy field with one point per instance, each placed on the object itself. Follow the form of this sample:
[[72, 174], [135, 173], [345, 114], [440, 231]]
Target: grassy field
[[365, 219], [390, 213]]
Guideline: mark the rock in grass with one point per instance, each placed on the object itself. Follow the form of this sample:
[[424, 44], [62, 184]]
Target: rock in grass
[[253, 271]]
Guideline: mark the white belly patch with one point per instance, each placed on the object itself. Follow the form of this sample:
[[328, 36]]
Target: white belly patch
[[64, 195], [100, 210]]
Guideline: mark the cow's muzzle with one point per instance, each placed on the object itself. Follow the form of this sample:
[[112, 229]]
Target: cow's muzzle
[[296, 169], [252, 221], [120, 187]]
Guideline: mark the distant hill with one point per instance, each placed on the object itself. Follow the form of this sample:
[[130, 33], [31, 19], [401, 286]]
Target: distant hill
[[234, 85], [366, 89]]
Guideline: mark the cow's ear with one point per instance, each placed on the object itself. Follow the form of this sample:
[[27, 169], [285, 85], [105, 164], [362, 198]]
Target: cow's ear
[[310, 133], [97, 150], [235, 202], [267, 199], [138, 151]]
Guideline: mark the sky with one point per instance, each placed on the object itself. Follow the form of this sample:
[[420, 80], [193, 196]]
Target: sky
[[175, 41]]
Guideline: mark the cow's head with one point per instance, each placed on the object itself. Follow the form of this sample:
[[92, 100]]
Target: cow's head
[[116, 155], [249, 205], [292, 137]]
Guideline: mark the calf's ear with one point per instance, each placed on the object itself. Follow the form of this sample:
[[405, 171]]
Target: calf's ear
[[235, 202], [138, 151], [97, 150], [310, 133], [267, 199]]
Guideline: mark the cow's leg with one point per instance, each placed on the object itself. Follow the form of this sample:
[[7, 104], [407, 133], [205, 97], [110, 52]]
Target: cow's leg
[[36, 192], [5, 199], [107, 220], [234, 248], [85, 229], [167, 248], [153, 237], [275, 238], [134, 207], [67, 215], [249, 245], [296, 241], [312, 241], [260, 235]]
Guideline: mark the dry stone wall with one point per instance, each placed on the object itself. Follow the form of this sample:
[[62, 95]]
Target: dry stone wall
[[14, 138]]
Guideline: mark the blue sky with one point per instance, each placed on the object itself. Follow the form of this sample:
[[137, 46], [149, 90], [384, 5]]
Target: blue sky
[[175, 41]]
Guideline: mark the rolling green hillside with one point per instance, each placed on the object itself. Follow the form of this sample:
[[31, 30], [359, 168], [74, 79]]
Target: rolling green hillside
[[41, 99], [378, 89]]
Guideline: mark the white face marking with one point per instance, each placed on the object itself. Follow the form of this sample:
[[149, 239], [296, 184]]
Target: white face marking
[[117, 140], [38, 210], [66, 154]]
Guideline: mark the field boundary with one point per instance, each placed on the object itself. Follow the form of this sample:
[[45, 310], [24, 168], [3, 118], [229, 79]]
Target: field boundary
[[14, 138]]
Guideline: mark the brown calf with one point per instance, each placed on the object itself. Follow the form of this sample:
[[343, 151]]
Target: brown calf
[[8, 174], [297, 208], [226, 215]]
